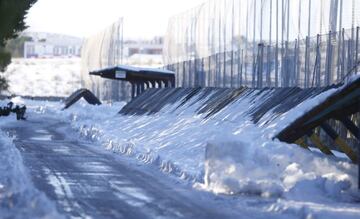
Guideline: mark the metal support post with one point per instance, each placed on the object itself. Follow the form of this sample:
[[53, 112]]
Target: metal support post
[[224, 73], [268, 67], [294, 74], [260, 65], [142, 87], [159, 83], [343, 54], [328, 61], [340, 142], [318, 64], [190, 78], [133, 88], [241, 67], [138, 88], [232, 69], [357, 49], [209, 72], [351, 127], [178, 75], [358, 145], [202, 74]]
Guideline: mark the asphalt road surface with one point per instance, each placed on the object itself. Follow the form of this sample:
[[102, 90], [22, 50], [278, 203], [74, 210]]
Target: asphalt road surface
[[86, 181]]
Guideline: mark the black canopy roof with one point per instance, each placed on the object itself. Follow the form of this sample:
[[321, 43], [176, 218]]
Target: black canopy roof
[[130, 73]]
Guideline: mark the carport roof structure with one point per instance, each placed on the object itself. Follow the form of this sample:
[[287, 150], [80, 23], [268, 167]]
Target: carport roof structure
[[140, 78], [133, 74]]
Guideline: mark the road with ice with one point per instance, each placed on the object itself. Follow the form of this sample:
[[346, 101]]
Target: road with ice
[[87, 182]]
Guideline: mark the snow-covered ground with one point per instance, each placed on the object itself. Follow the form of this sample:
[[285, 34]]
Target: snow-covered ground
[[238, 160], [227, 154], [44, 77], [18, 196]]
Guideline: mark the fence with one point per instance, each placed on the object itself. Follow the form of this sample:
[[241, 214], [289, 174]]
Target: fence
[[233, 43], [102, 50], [218, 26], [311, 62]]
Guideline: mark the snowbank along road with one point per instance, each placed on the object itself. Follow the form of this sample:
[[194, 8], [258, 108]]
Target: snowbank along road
[[87, 182]]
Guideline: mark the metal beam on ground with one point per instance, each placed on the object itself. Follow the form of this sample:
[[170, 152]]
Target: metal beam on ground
[[81, 93], [318, 143], [302, 143], [340, 142], [342, 102], [351, 126]]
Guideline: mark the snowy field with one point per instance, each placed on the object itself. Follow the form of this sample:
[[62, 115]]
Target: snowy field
[[44, 77], [237, 161]]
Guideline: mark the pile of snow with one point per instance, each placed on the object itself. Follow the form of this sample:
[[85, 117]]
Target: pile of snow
[[222, 157], [226, 154], [18, 196], [44, 77], [275, 169]]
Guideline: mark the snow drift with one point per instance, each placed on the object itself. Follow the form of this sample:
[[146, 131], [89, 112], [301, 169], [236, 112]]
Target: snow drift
[[275, 169], [18, 196], [226, 152]]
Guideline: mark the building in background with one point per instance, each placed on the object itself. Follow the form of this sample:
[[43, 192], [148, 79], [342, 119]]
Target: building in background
[[147, 53], [46, 45]]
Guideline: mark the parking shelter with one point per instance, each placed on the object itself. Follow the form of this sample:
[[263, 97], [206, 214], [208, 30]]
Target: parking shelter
[[140, 78]]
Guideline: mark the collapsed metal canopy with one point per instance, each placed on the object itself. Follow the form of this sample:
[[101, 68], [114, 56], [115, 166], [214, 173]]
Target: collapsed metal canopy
[[343, 103], [138, 77], [339, 106], [130, 73], [331, 122], [81, 93]]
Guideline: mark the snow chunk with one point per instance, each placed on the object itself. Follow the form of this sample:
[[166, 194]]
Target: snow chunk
[[275, 169], [235, 167]]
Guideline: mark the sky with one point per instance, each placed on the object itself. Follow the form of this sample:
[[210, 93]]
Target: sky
[[83, 18]]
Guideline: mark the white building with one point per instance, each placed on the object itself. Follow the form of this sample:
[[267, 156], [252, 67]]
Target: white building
[[153, 47], [44, 49], [52, 45], [144, 52]]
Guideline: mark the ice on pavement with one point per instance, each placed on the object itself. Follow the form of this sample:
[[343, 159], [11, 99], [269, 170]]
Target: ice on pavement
[[19, 199]]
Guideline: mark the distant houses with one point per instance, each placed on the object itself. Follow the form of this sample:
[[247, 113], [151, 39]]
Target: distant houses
[[49, 45], [144, 52], [149, 47], [45, 45], [48, 50]]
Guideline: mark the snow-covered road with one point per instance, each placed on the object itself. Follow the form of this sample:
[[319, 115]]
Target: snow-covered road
[[92, 162], [85, 181]]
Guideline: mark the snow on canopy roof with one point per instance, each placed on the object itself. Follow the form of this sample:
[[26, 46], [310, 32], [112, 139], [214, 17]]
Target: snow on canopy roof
[[134, 69]]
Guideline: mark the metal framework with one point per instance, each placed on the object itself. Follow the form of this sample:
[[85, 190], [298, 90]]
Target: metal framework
[[332, 125], [139, 78], [81, 93], [102, 50], [256, 43]]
